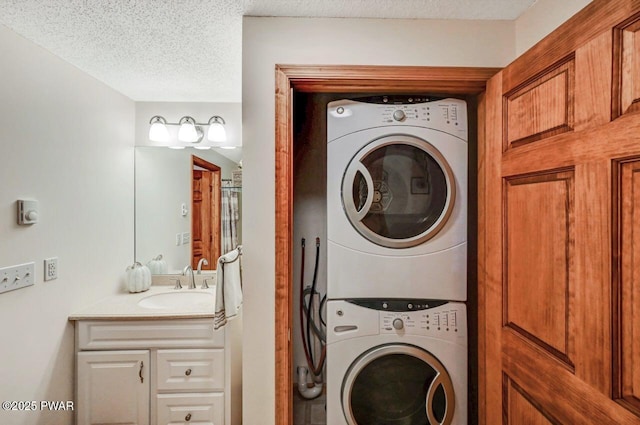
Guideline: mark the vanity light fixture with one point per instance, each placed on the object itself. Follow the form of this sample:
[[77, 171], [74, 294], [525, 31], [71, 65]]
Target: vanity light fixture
[[190, 131]]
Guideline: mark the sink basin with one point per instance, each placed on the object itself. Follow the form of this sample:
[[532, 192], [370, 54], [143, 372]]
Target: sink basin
[[173, 300]]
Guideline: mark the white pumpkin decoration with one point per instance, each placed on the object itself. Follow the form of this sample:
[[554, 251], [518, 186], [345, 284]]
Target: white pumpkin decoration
[[158, 265], [138, 278]]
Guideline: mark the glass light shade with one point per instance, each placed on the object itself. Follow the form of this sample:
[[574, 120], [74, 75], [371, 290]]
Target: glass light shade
[[202, 147], [187, 132], [158, 132], [176, 147], [216, 132]]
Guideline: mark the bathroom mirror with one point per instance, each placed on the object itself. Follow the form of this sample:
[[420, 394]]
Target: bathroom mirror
[[166, 222]]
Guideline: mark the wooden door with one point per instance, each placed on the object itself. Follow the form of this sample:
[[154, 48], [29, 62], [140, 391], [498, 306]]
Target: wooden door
[[205, 219], [558, 239]]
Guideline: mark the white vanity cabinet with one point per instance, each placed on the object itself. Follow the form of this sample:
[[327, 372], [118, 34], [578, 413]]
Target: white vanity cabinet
[[162, 372]]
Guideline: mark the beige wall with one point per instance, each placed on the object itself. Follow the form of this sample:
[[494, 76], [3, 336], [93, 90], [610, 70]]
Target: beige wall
[[271, 41], [542, 18], [66, 140]]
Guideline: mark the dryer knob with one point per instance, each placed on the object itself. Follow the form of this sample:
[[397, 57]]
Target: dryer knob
[[398, 115], [398, 324]]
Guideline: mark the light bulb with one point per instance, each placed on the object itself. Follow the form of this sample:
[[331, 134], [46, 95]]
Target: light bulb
[[158, 131], [187, 132], [216, 132]]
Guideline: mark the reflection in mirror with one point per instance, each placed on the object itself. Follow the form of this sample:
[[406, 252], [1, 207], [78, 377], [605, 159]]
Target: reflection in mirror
[[171, 221]]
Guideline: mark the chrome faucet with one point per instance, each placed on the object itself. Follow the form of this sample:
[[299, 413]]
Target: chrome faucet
[[200, 263], [192, 284]]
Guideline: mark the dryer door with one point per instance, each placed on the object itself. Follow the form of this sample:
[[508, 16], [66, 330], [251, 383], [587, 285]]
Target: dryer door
[[398, 384], [398, 191]]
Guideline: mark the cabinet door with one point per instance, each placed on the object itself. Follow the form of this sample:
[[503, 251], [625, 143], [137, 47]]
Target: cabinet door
[[113, 387]]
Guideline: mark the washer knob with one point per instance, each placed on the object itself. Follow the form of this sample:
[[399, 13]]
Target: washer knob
[[398, 324], [398, 115]]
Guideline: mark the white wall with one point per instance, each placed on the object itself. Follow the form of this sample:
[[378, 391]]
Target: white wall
[[541, 19], [66, 140], [271, 41]]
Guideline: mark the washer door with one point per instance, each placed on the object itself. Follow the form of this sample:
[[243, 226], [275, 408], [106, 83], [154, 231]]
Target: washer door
[[398, 191], [397, 384]]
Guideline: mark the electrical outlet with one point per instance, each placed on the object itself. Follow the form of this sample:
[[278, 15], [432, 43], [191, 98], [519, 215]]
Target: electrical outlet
[[186, 238], [16, 277], [178, 239], [51, 268]]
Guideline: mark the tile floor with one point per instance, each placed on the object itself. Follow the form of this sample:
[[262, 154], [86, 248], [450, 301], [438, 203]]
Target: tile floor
[[309, 412]]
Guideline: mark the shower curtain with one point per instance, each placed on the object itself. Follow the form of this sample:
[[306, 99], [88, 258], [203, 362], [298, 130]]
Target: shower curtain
[[230, 216]]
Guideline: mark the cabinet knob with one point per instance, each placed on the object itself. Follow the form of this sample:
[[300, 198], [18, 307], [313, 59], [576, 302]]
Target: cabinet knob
[[188, 417], [187, 372]]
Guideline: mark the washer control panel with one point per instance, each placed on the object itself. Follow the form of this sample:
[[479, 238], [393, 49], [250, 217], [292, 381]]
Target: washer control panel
[[445, 319], [422, 317]]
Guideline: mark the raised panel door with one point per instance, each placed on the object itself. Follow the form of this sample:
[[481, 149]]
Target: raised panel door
[[113, 387]]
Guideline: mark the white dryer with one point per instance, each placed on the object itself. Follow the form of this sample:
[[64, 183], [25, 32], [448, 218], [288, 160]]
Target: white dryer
[[396, 362], [397, 199]]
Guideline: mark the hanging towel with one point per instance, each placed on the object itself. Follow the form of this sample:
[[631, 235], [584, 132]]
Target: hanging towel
[[228, 288]]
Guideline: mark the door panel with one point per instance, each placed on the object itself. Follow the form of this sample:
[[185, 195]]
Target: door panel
[[521, 408], [538, 268], [543, 107], [627, 322], [627, 38], [559, 231]]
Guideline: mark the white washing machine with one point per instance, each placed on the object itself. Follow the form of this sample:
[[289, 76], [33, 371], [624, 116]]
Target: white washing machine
[[397, 199], [396, 362]]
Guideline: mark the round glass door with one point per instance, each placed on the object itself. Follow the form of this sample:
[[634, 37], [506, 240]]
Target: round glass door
[[398, 191], [398, 385]]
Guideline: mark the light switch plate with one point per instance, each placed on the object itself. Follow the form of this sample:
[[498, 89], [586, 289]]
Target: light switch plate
[[17, 277]]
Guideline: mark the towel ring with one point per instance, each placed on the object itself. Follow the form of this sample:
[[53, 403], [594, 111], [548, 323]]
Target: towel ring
[[239, 248]]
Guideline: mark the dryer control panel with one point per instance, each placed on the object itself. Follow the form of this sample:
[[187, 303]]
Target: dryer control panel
[[446, 115]]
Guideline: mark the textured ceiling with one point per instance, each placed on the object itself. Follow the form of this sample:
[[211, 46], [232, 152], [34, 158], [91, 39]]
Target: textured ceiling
[[191, 50]]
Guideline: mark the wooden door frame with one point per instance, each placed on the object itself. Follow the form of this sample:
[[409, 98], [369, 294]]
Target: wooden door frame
[[339, 79], [216, 224]]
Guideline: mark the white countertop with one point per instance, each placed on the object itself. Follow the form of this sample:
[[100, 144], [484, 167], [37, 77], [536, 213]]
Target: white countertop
[[125, 306]]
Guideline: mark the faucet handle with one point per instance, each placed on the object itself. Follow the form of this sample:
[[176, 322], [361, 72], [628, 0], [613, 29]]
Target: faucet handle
[[178, 286], [204, 284]]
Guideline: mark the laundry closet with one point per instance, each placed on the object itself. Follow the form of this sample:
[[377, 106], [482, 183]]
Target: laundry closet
[[414, 306]]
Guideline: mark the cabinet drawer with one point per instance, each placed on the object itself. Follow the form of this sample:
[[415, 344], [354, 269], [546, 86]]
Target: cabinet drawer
[[200, 408], [103, 335], [191, 370]]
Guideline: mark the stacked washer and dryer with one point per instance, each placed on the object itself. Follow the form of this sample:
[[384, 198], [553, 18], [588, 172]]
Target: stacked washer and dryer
[[397, 261]]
